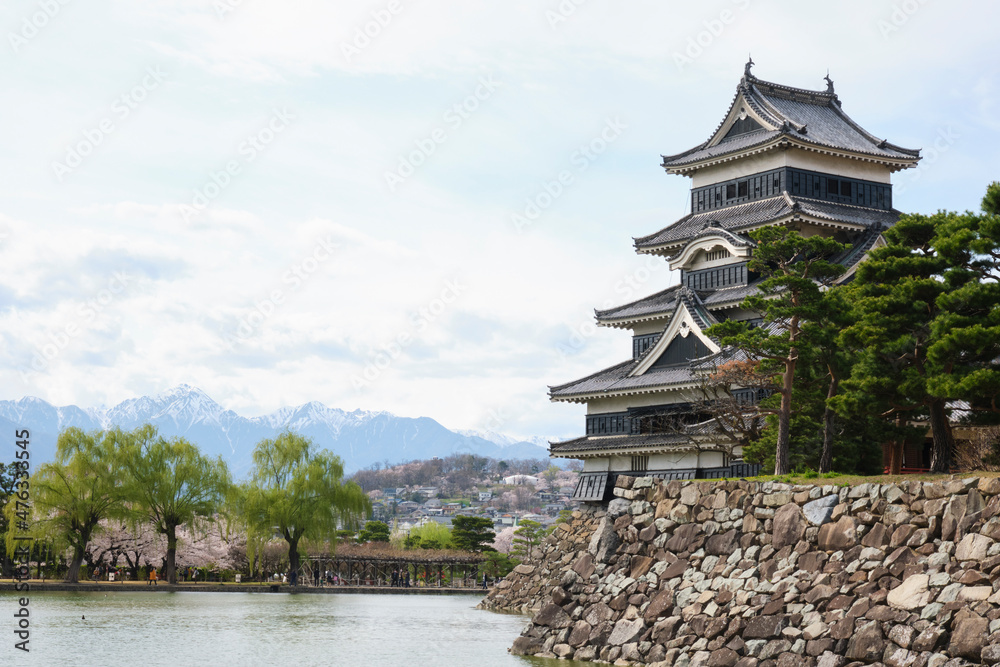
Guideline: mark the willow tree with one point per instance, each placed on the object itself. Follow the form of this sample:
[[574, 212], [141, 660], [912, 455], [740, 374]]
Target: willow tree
[[72, 494], [299, 493], [168, 484]]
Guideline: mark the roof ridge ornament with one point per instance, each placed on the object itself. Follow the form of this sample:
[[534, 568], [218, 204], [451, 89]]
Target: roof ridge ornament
[[746, 68], [829, 82]]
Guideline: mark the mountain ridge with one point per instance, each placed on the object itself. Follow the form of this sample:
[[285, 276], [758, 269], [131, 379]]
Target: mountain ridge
[[360, 438]]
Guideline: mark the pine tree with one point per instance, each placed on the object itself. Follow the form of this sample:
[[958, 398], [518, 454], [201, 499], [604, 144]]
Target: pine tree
[[794, 269], [895, 295], [966, 332]]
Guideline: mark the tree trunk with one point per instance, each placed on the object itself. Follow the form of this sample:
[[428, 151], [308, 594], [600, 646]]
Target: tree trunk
[[171, 554], [826, 460], [782, 465], [896, 448], [943, 441], [73, 574], [293, 559]]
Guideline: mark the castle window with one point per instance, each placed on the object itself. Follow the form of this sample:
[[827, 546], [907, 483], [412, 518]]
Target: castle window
[[832, 186], [730, 191], [640, 463], [744, 187], [719, 253], [845, 188]]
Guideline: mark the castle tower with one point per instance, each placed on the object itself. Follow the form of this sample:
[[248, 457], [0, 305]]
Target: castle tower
[[780, 156]]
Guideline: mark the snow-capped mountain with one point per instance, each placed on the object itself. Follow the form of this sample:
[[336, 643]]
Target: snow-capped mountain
[[505, 440], [360, 438]]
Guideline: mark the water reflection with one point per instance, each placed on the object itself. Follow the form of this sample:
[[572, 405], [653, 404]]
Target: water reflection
[[180, 629]]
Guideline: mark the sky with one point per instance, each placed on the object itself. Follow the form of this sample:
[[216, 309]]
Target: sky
[[409, 206]]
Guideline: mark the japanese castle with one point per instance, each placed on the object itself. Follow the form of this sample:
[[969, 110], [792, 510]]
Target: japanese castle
[[781, 156]]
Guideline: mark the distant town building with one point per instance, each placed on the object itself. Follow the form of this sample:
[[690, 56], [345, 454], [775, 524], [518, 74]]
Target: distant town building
[[781, 156], [518, 480]]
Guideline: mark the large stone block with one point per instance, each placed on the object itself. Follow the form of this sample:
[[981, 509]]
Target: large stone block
[[819, 511], [867, 644], [626, 631], [973, 547], [789, 526], [604, 541], [723, 544], [838, 536], [968, 635], [764, 627], [913, 593], [553, 616]]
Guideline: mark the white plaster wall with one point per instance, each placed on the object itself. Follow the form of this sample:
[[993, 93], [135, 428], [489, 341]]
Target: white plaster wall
[[670, 461], [792, 157], [622, 403], [650, 327]]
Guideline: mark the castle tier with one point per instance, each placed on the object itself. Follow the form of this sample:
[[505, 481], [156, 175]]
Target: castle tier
[[781, 156]]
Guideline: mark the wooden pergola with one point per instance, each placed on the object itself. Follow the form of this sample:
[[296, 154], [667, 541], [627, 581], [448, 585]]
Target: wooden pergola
[[368, 565]]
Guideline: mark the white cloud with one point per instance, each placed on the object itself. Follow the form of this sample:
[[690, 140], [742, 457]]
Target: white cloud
[[524, 316]]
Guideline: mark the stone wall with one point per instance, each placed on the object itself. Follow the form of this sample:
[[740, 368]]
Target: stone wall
[[751, 574], [530, 585]]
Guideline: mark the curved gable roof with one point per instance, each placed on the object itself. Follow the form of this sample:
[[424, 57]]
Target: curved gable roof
[[789, 116]]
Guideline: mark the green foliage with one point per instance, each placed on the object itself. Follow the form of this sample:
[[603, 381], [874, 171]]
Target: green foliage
[[168, 483], [72, 494], [431, 535], [374, 531], [528, 535], [923, 330], [299, 493], [794, 268], [472, 533], [498, 564]]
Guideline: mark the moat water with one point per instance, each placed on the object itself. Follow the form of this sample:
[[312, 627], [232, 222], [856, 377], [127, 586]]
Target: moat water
[[245, 629]]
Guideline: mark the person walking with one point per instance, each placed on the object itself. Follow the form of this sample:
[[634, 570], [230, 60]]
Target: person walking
[[152, 577]]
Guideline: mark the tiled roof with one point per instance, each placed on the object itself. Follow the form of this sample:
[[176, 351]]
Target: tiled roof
[[592, 443], [616, 378], [729, 294], [660, 303], [853, 255], [762, 211], [793, 115], [715, 228], [702, 318]]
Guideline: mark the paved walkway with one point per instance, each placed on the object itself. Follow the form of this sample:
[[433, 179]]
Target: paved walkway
[[141, 587]]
